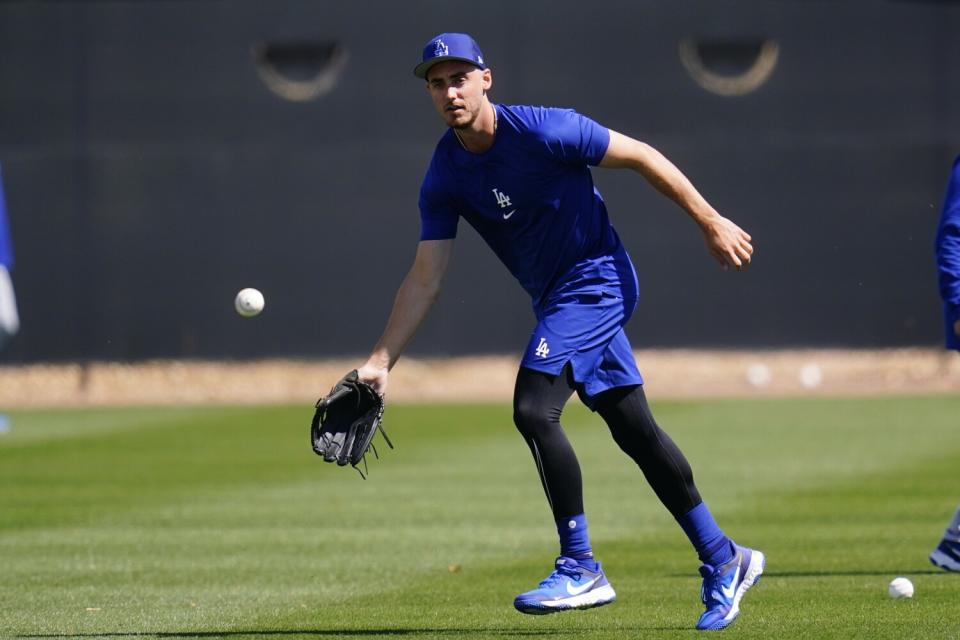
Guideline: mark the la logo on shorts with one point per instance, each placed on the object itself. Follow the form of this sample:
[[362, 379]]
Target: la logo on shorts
[[543, 350]]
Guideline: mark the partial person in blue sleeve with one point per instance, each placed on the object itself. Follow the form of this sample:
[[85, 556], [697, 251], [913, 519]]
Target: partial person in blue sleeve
[[9, 319], [947, 554], [520, 176]]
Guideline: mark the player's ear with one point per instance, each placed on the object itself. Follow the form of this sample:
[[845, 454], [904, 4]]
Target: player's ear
[[487, 79]]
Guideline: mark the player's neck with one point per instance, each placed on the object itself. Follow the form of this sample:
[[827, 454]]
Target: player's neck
[[479, 137]]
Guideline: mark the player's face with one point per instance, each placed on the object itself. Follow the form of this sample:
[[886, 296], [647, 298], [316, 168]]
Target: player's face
[[457, 90]]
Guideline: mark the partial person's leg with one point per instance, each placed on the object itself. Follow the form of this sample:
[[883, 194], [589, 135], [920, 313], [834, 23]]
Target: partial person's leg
[[538, 401], [628, 415], [728, 569], [578, 581], [9, 320], [947, 554], [952, 532]]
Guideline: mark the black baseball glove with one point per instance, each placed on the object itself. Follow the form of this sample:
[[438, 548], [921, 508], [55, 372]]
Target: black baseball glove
[[345, 422]]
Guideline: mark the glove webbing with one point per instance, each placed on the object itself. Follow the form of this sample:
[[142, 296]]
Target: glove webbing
[[366, 470]]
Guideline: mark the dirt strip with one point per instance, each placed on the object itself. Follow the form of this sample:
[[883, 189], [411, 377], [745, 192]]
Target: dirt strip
[[668, 373]]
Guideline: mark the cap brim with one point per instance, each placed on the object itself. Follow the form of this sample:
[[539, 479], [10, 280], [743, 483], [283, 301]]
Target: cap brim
[[421, 69]]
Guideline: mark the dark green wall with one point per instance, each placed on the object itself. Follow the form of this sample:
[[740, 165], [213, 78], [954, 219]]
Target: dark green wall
[[150, 172]]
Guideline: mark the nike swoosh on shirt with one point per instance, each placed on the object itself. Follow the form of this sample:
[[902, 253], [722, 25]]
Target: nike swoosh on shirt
[[506, 216], [575, 591]]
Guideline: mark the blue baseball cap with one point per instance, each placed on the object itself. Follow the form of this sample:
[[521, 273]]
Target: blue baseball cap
[[449, 46]]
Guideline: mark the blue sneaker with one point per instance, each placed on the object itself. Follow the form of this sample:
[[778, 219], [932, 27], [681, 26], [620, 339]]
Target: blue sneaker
[[724, 586], [570, 586], [947, 555]]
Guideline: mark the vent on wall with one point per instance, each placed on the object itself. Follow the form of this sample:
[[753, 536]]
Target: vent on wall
[[729, 67], [300, 70]]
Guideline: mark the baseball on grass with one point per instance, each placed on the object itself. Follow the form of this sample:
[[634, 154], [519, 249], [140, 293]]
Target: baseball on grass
[[249, 302], [900, 588]]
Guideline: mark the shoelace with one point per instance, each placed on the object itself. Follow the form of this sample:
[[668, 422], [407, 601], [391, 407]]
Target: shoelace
[[554, 577], [709, 578], [712, 585]]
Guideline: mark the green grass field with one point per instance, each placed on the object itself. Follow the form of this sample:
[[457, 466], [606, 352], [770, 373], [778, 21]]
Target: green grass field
[[220, 522]]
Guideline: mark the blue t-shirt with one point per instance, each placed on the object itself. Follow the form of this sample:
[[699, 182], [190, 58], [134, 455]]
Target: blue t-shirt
[[948, 254], [531, 198]]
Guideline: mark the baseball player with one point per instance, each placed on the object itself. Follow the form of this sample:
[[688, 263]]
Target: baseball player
[[520, 176], [947, 554], [9, 320]]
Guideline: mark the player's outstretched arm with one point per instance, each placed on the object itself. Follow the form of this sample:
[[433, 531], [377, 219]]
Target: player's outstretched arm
[[416, 295], [726, 242]]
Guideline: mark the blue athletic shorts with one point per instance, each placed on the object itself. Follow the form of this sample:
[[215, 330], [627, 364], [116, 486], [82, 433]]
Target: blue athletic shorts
[[951, 315], [585, 328]]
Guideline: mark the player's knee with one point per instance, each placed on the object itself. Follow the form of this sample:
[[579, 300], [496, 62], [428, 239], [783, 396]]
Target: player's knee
[[531, 417]]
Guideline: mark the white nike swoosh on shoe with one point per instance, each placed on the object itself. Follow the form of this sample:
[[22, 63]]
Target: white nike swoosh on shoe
[[575, 591], [506, 216], [732, 589]]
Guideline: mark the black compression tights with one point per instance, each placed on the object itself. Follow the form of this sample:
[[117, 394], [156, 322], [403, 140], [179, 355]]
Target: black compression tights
[[537, 404]]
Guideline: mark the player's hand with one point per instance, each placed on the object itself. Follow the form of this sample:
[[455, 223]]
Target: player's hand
[[727, 243], [375, 376]]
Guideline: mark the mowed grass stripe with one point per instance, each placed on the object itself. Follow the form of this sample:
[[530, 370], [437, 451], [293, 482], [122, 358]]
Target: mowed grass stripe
[[232, 551], [833, 547], [827, 577]]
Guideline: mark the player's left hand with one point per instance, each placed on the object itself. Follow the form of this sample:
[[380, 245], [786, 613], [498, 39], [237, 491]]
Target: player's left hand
[[727, 243], [346, 420], [374, 375]]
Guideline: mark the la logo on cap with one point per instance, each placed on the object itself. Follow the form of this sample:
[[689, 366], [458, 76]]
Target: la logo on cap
[[447, 46]]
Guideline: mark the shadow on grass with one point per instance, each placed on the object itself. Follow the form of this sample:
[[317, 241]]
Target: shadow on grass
[[321, 633], [821, 574], [827, 574]]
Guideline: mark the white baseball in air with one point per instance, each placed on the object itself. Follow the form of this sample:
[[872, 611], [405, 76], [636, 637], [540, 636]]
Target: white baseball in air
[[900, 588], [249, 302]]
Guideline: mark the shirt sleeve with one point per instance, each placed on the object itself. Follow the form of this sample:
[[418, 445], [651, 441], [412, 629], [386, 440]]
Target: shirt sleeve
[[948, 242], [438, 217], [6, 246], [574, 138]]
